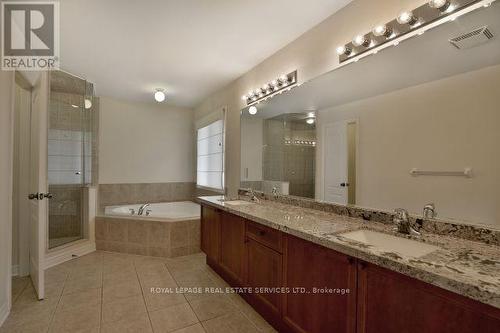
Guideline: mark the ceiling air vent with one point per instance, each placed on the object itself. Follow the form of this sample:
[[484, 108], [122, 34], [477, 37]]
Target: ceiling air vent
[[472, 39]]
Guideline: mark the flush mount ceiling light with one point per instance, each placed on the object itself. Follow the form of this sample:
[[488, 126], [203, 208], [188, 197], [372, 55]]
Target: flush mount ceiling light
[[87, 103], [310, 121], [285, 81], [406, 22], [159, 95], [252, 110], [442, 5]]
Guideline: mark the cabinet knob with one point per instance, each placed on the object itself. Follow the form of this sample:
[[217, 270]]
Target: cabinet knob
[[262, 232]]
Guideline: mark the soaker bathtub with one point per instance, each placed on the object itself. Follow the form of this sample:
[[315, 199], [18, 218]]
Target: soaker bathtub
[[170, 229], [166, 210]]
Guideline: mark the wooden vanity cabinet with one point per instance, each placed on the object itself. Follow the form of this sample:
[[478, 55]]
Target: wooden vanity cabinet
[[248, 254], [264, 267], [309, 266], [232, 247], [391, 302], [210, 233]]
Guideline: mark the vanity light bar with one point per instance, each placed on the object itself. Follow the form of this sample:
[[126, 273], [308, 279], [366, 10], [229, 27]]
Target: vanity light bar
[[406, 22], [300, 142], [283, 82]]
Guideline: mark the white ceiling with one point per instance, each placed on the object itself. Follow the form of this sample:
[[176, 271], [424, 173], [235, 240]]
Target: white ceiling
[[190, 47], [415, 61]]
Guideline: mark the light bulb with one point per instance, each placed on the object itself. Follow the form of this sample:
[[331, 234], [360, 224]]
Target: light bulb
[[87, 103], [361, 40], [343, 50], [274, 83], [283, 78], [252, 110], [244, 97], [382, 30], [442, 5], [310, 121], [407, 18], [159, 95]]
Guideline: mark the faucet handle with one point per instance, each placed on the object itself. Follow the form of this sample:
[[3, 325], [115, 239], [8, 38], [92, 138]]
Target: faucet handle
[[401, 213]]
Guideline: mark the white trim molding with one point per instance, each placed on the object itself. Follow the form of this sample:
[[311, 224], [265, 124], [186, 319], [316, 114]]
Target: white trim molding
[[15, 270], [66, 253], [4, 312]]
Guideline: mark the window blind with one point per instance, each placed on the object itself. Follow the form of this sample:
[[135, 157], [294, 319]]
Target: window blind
[[210, 156]]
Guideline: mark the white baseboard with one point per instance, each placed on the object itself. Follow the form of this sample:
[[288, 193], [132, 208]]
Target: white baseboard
[[67, 253], [15, 270], [4, 312]]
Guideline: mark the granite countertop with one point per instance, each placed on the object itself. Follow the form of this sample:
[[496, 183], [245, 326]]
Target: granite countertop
[[465, 267]]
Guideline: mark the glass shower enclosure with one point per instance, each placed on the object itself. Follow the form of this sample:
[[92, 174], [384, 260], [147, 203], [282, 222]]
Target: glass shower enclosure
[[72, 152]]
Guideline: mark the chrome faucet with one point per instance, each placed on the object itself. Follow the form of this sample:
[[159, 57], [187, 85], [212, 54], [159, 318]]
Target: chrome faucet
[[429, 211], [253, 197], [141, 209], [402, 220]]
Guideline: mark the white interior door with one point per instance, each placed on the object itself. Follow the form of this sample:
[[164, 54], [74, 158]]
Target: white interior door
[[335, 163], [38, 182]]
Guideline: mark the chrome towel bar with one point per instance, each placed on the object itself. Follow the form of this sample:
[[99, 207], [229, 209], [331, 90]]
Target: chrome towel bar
[[467, 172]]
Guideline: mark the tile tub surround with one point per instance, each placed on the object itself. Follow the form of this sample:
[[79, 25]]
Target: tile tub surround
[[147, 236], [444, 227], [122, 194], [468, 268]]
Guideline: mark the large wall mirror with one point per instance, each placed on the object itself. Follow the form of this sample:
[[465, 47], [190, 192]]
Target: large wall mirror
[[417, 123]]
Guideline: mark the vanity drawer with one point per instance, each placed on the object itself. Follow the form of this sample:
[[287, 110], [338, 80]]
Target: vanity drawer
[[264, 235]]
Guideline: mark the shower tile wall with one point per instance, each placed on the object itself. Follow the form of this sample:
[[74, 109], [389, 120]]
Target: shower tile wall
[[294, 163], [67, 141]]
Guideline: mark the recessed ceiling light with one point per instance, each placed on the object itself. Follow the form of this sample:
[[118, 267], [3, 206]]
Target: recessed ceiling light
[[160, 95]]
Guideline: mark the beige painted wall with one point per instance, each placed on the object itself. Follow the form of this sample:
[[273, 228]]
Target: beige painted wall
[[6, 151], [447, 124], [312, 54], [145, 143], [252, 139]]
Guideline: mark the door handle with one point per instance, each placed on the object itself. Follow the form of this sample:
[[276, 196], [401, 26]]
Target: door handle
[[344, 184], [40, 196]]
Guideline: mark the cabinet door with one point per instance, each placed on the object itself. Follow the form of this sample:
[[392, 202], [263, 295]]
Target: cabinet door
[[309, 266], [264, 270], [391, 302], [210, 232], [232, 235]]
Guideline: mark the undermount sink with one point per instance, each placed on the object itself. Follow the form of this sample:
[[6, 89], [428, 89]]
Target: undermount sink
[[389, 243], [238, 202]]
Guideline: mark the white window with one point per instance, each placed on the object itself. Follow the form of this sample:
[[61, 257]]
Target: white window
[[210, 159]]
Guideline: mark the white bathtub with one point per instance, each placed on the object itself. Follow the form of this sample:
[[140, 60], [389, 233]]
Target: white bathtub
[[182, 210]]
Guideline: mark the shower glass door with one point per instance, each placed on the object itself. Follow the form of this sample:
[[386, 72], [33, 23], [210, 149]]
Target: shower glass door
[[71, 152]]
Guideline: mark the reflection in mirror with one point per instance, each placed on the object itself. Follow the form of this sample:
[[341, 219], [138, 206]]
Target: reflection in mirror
[[424, 105]]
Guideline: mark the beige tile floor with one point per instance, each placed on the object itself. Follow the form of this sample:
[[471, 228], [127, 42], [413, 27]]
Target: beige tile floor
[[111, 292]]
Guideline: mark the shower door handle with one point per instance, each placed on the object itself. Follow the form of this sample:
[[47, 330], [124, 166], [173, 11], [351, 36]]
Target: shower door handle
[[40, 196]]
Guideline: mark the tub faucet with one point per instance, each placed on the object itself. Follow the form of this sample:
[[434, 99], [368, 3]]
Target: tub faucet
[[402, 221], [141, 209]]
